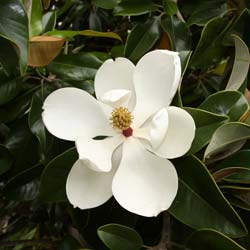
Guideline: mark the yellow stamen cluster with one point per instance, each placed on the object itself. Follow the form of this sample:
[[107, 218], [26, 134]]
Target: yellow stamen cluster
[[121, 118]]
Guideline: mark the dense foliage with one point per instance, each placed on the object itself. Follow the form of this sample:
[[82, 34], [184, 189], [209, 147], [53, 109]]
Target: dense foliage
[[212, 207]]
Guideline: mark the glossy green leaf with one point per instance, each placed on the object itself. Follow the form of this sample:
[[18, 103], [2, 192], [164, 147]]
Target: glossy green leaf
[[118, 237], [240, 28], [141, 39], [17, 107], [200, 12], [22, 144], [134, 7], [9, 90], [14, 27], [170, 7], [24, 186], [55, 175], [241, 65], [209, 49], [80, 66], [107, 4], [8, 57], [179, 33], [89, 33], [5, 159], [211, 240], [229, 103], [198, 192], [49, 21], [35, 12], [225, 136], [206, 124]]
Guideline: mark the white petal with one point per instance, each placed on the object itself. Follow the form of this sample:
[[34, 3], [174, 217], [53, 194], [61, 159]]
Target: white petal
[[144, 183], [156, 79], [179, 136], [97, 154], [71, 112], [115, 74], [86, 188], [116, 98]]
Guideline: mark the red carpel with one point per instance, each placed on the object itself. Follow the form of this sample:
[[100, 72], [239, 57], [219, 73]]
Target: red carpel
[[127, 132]]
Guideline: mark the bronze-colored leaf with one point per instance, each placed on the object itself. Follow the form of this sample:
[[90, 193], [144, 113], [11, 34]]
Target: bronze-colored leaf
[[43, 49]]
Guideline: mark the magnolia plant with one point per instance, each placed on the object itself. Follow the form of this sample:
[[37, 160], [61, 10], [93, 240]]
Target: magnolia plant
[[141, 132]]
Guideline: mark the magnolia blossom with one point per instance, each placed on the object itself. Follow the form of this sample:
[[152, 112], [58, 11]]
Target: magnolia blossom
[[140, 130]]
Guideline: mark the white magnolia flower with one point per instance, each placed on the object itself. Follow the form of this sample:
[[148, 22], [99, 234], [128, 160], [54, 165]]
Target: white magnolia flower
[[132, 111]]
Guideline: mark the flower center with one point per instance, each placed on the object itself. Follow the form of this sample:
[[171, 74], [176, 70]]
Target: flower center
[[121, 118]]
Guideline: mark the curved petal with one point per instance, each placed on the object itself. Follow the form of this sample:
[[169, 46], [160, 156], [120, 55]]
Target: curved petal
[[97, 154], [116, 98], [144, 183], [86, 188], [71, 112], [179, 136], [115, 74], [156, 77]]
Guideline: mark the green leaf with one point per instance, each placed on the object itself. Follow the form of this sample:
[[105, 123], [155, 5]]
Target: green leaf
[[224, 137], [210, 49], [118, 237], [55, 175], [80, 66], [107, 4], [170, 7], [49, 21], [6, 159], [241, 65], [8, 57], [206, 124], [141, 39], [134, 7], [202, 11], [24, 186], [198, 192], [14, 27], [240, 28], [35, 12], [9, 90], [89, 33], [229, 103], [211, 240]]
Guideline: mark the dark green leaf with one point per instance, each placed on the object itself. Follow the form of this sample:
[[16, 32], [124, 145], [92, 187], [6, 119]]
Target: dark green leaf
[[202, 11], [107, 4], [170, 7], [55, 175], [211, 240], [6, 159], [24, 186], [49, 21], [9, 90], [141, 39], [81, 66], [241, 65], [198, 192], [8, 57], [224, 137], [118, 237], [179, 33], [229, 103], [240, 28], [209, 49], [134, 7], [206, 124], [14, 26]]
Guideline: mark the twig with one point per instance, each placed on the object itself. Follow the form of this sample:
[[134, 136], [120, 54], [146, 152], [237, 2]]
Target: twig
[[28, 243]]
